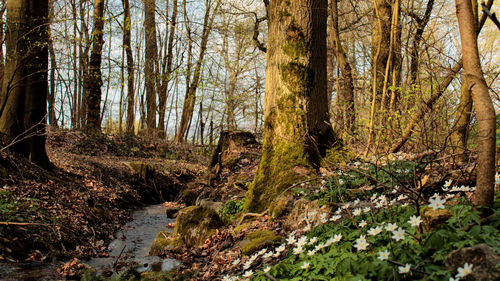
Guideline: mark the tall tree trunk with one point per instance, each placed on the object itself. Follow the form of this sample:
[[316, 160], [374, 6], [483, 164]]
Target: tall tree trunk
[[150, 67], [3, 7], [190, 97], [297, 133], [167, 76], [53, 69], [484, 107], [93, 80], [460, 127], [130, 67], [24, 90], [345, 97]]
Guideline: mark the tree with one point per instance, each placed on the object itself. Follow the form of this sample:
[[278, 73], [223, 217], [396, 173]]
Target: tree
[[130, 67], [297, 133], [484, 107], [93, 78], [150, 66], [24, 89], [190, 96]]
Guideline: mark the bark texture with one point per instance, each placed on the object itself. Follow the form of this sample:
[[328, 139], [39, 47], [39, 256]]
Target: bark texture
[[150, 67], [297, 133], [24, 90], [130, 67], [93, 79], [484, 107]]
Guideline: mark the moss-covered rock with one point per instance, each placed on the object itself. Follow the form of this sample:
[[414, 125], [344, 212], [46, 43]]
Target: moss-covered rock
[[143, 169], [161, 243], [257, 240], [189, 196], [432, 218], [237, 230], [195, 224], [279, 206]]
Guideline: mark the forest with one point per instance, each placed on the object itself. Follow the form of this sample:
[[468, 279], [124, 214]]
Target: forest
[[249, 140]]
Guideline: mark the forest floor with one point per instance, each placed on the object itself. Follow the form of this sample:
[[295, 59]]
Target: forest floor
[[76, 209]]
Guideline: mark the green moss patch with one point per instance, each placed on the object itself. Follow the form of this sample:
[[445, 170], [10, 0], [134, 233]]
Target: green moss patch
[[257, 240], [195, 224]]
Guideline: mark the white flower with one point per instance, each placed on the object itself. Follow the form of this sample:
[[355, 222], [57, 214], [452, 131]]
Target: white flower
[[435, 195], [346, 205], [291, 240], [307, 227], [335, 218], [281, 248], [391, 227], [323, 182], [356, 202], [375, 231], [261, 252], [383, 255], [357, 212], [404, 269], [338, 211], [311, 215], [268, 255], [398, 234], [436, 203], [402, 197], [305, 265], [334, 239], [236, 261], [253, 258], [313, 240], [298, 250], [266, 269], [449, 196], [447, 183], [248, 273], [341, 181], [323, 217], [415, 221], [302, 241], [453, 279], [362, 223], [228, 278], [463, 271], [319, 247], [247, 265], [367, 209], [374, 196], [311, 252], [361, 243]]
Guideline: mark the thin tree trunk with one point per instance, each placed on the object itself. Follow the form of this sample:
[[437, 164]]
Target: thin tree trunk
[[130, 67], [190, 98], [93, 80], [150, 67], [53, 69], [484, 107], [167, 76]]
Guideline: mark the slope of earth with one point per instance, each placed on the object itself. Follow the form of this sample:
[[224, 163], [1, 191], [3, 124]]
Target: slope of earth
[[75, 209]]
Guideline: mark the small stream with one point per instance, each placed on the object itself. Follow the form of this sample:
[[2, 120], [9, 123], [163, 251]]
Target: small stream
[[132, 245]]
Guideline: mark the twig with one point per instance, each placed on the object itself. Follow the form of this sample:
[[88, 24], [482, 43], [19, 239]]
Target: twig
[[492, 16], [270, 277], [118, 257], [27, 223]]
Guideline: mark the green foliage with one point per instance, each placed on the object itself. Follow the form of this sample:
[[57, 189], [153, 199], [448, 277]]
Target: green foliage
[[16, 209], [230, 209], [424, 252]]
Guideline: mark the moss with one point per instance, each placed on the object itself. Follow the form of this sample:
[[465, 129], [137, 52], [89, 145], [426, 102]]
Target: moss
[[240, 227], [257, 240], [337, 155], [195, 224], [297, 77], [279, 207], [144, 170], [175, 274], [160, 243], [295, 46], [432, 218]]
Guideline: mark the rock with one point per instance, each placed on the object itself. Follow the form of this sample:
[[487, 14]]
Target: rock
[[257, 240], [279, 206], [161, 243], [304, 212], [189, 196], [172, 212], [195, 224], [214, 206], [485, 262], [432, 218]]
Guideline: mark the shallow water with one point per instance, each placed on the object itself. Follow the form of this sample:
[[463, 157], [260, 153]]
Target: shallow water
[[132, 245]]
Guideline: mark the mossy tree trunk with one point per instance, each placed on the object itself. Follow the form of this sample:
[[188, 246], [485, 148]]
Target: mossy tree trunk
[[484, 107], [24, 90], [297, 133], [93, 78]]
